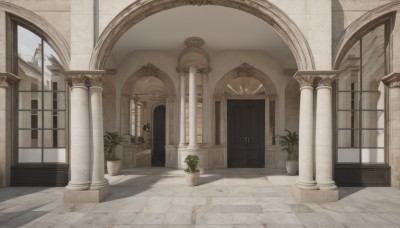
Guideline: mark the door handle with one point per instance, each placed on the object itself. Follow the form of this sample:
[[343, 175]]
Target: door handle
[[248, 140]]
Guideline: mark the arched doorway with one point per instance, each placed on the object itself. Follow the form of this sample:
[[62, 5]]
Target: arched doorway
[[158, 148]]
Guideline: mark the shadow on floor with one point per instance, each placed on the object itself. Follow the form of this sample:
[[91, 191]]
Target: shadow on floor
[[347, 191]]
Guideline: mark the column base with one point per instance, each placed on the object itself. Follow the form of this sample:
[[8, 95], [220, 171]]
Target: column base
[[88, 196], [314, 196], [78, 186], [307, 185], [329, 185], [99, 185]]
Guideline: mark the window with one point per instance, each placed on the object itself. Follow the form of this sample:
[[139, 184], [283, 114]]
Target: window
[[360, 101], [41, 101], [136, 119]]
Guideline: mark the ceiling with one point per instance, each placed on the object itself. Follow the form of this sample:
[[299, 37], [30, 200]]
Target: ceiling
[[222, 29]]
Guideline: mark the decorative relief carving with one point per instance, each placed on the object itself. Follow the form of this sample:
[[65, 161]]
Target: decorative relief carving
[[305, 80], [392, 80], [6, 79], [77, 80], [184, 70], [149, 70], [244, 70], [325, 80], [194, 42], [199, 2], [96, 80]]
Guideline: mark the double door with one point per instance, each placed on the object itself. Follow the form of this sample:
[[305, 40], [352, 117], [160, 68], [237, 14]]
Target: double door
[[246, 133]]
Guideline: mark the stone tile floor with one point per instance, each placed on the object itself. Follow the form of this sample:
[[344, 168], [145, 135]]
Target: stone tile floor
[[157, 197]]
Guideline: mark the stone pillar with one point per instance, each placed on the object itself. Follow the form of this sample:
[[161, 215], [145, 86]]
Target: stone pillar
[[182, 123], [393, 82], [306, 133], [80, 137], [192, 108], [323, 134], [135, 100], [6, 81], [96, 117], [206, 107]]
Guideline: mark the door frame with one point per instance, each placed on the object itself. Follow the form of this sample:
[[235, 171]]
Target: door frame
[[153, 132]]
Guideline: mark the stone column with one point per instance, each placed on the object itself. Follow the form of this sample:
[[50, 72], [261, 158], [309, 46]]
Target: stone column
[[393, 82], [206, 107], [80, 133], [323, 134], [182, 123], [192, 108], [6, 81], [96, 117], [135, 100], [306, 133]]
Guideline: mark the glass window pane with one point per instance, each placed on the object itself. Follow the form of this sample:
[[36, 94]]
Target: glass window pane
[[54, 119], [57, 155], [348, 138], [54, 78], [373, 155], [54, 100], [30, 119], [373, 138], [373, 119], [373, 58], [30, 138], [29, 60], [348, 156], [30, 155], [373, 100], [30, 100], [349, 76], [54, 138], [349, 100], [348, 119]]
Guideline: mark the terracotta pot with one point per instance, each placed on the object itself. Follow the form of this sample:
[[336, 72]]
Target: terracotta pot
[[292, 167], [113, 167], [192, 179]]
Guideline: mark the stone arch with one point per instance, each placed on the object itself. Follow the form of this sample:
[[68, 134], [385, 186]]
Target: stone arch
[[252, 72], [360, 27], [43, 27], [264, 10]]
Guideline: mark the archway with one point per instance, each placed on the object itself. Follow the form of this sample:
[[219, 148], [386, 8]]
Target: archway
[[264, 10]]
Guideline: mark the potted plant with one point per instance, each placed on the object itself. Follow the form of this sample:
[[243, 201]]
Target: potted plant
[[191, 172], [111, 141], [290, 144]]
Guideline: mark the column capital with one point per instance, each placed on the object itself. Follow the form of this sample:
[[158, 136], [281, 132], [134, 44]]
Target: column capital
[[85, 77], [204, 71], [7, 78], [308, 78], [97, 79], [392, 80], [182, 70]]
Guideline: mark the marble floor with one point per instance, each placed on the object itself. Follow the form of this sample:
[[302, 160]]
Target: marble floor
[[157, 197]]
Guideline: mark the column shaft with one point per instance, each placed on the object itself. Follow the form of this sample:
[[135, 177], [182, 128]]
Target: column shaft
[[96, 104], [182, 133], [192, 108], [80, 138], [306, 135], [3, 134], [323, 138]]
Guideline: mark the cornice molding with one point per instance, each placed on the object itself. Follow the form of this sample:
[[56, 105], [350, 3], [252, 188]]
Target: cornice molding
[[7, 78]]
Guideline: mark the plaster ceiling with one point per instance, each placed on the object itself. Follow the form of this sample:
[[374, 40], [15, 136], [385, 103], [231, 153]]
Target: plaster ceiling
[[222, 29]]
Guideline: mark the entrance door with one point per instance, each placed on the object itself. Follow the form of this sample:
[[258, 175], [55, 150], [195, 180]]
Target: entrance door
[[246, 141], [158, 152]]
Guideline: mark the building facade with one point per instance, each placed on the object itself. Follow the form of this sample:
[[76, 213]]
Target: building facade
[[216, 78]]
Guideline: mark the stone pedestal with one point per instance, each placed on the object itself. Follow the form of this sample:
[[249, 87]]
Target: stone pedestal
[[314, 196], [87, 196]]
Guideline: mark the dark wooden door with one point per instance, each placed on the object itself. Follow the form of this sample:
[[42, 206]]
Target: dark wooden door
[[246, 141], [158, 150]]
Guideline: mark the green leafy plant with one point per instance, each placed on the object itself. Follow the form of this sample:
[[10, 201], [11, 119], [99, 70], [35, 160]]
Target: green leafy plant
[[290, 144], [111, 141], [192, 162]]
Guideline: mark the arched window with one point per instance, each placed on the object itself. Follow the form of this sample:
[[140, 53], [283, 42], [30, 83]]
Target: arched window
[[42, 116], [361, 101]]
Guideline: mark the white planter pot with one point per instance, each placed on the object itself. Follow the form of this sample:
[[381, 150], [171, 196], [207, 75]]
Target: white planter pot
[[292, 167], [113, 167], [192, 179]]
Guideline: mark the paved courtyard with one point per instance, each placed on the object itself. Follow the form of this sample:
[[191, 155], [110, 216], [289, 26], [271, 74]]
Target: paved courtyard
[[229, 198]]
